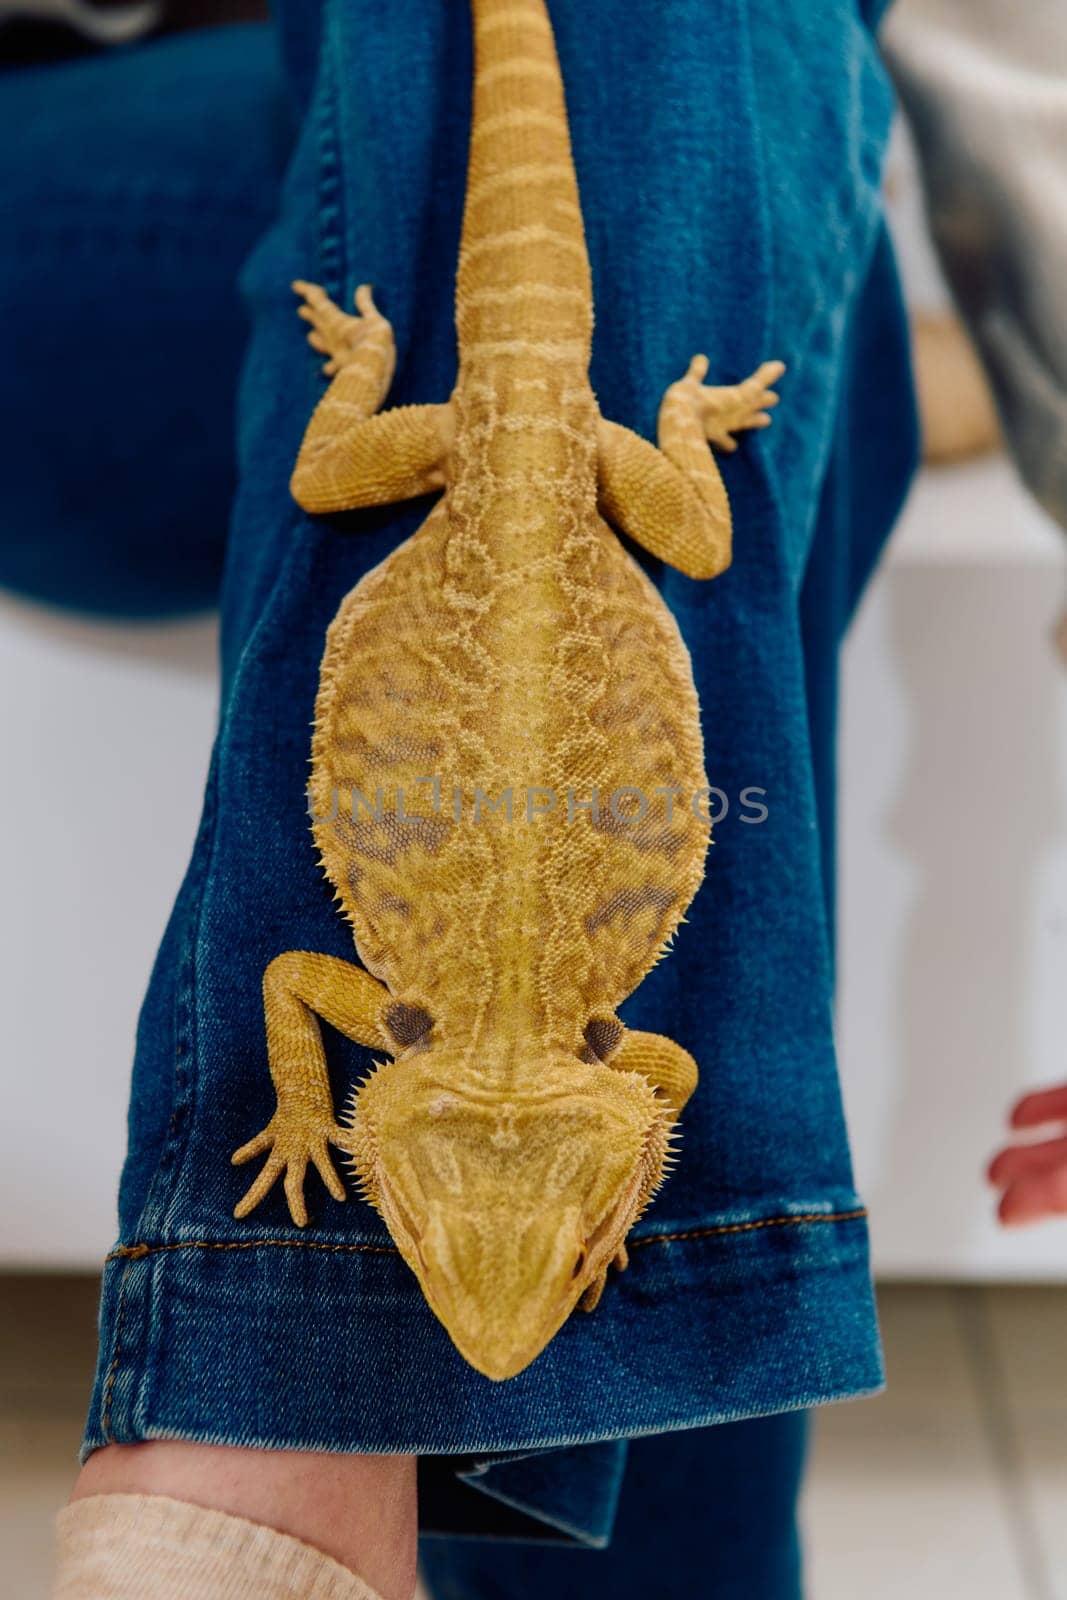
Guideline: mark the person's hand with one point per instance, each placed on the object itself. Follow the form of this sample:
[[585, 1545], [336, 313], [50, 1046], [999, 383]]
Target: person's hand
[[1032, 1177]]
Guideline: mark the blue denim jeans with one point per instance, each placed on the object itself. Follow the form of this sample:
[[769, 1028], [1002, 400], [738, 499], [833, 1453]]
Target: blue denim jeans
[[708, 1511], [124, 227], [729, 177]]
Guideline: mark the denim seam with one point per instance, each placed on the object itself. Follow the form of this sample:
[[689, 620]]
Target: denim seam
[[172, 1157], [331, 175], [109, 1388], [161, 1186], [845, 222], [763, 207], [855, 207], [137, 1252]]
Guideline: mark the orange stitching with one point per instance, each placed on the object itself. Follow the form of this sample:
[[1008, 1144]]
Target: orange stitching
[[109, 1392], [135, 1252], [749, 1227]]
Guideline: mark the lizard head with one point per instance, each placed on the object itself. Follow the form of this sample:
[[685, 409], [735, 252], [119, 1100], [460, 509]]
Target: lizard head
[[507, 1206]]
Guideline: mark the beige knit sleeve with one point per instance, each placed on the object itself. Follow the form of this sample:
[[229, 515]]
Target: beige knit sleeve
[[131, 1546]]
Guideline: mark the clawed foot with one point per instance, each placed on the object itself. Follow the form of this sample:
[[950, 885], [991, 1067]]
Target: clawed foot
[[341, 338], [727, 409], [591, 1298], [293, 1139]]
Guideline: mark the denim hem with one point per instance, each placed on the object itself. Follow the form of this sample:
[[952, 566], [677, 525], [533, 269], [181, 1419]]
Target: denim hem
[[289, 1343], [788, 1219]]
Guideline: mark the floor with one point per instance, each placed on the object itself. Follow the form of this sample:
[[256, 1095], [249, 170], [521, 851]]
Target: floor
[[953, 1484]]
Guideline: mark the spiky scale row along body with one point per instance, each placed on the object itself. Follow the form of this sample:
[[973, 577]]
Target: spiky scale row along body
[[506, 750]]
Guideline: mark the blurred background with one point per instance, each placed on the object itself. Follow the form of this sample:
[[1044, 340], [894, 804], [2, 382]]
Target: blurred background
[[953, 950]]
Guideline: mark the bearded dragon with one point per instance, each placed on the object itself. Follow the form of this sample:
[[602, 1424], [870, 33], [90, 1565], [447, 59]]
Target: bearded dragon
[[506, 760]]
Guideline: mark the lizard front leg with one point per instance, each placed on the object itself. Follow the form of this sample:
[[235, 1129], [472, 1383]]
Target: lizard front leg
[[351, 457], [298, 987], [673, 501], [666, 1066]]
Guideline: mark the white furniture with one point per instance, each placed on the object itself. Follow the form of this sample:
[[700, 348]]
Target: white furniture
[[953, 849], [106, 733]]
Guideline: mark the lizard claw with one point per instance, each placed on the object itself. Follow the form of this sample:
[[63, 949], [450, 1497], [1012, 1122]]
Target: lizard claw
[[729, 408], [364, 302], [290, 1145], [335, 333], [591, 1298]]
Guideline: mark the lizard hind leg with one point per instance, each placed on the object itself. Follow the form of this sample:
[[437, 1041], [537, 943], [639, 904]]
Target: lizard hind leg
[[673, 501], [726, 409], [352, 457]]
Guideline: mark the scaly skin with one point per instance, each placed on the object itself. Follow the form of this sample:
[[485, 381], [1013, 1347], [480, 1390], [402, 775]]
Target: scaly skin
[[511, 645]]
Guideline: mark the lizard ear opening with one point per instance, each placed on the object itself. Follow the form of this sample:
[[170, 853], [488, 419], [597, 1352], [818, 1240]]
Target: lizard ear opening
[[602, 1035], [408, 1026]]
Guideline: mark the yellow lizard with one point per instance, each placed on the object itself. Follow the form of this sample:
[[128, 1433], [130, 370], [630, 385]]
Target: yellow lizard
[[507, 759]]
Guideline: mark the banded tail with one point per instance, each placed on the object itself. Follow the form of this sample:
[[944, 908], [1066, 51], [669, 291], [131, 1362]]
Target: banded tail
[[523, 265]]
